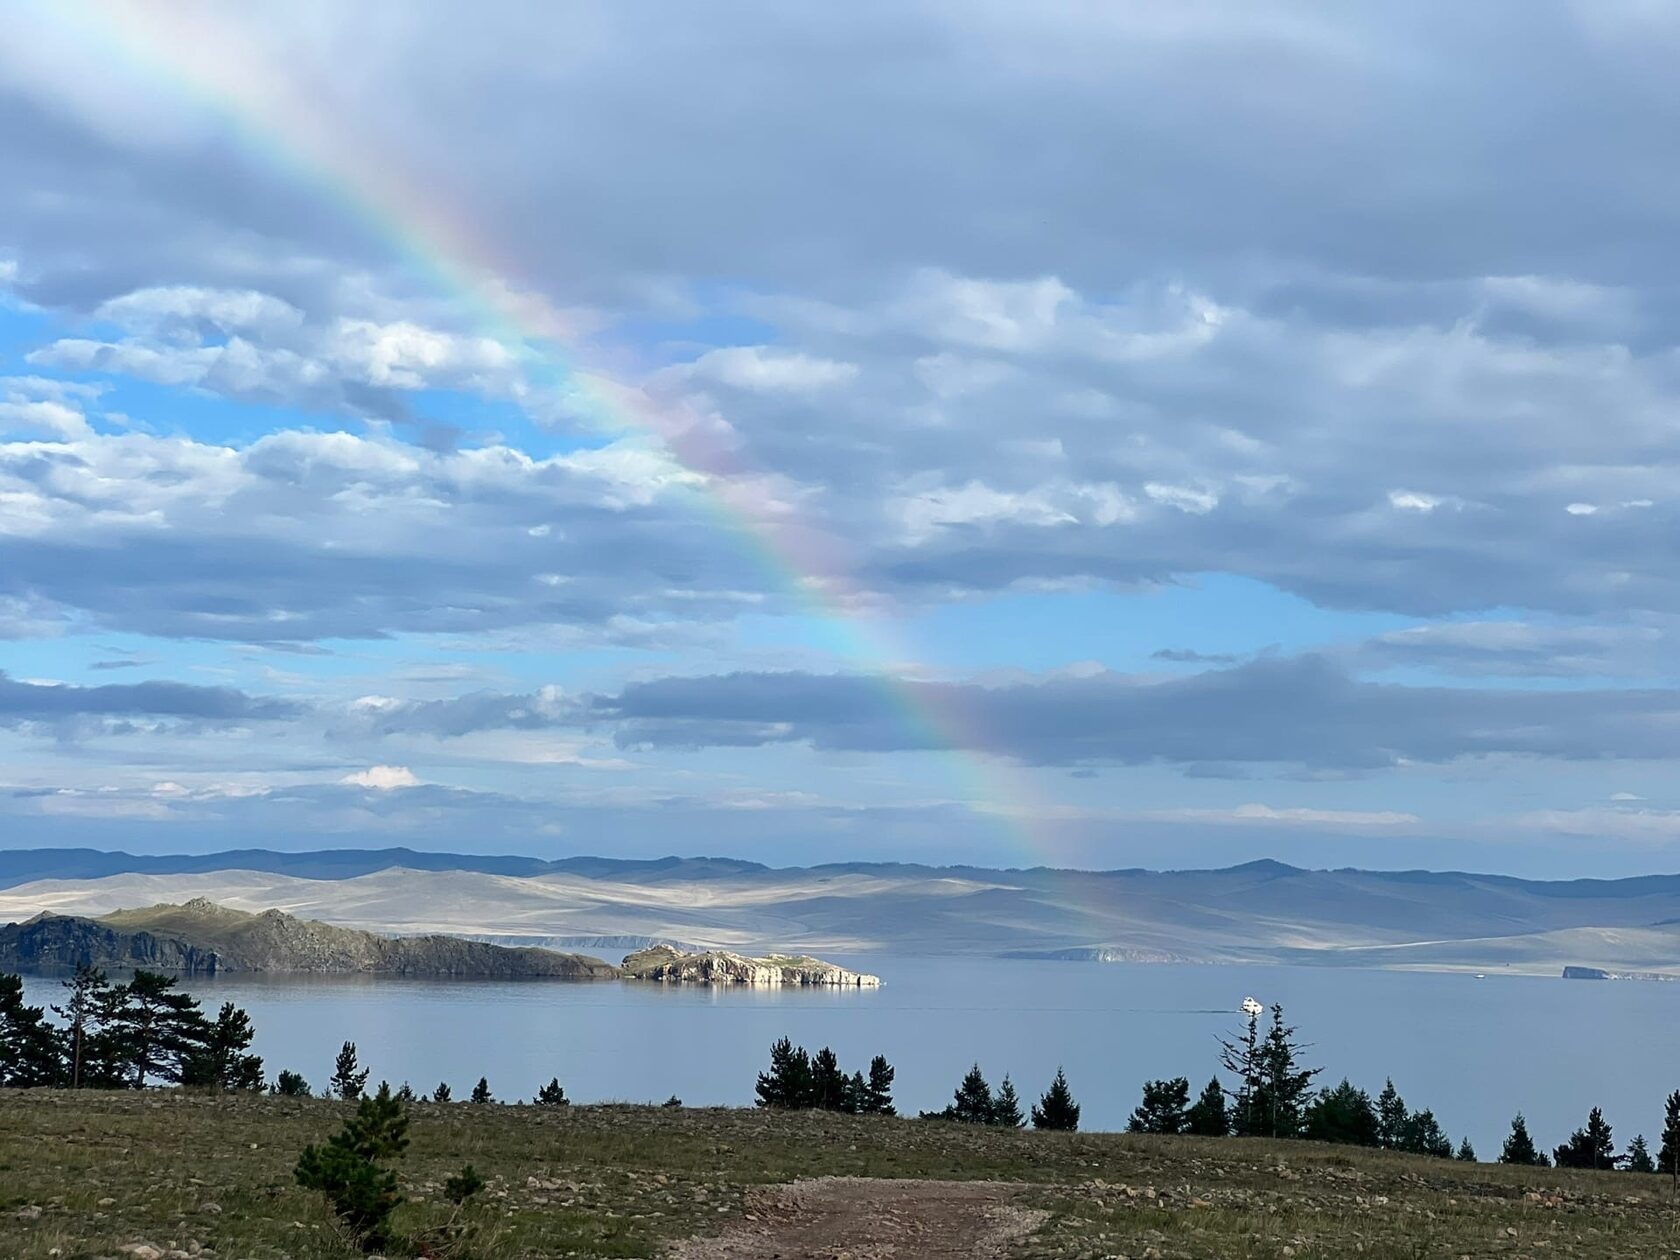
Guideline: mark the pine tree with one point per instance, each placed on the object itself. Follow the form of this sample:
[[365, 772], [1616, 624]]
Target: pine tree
[[105, 1062], [84, 1015], [1057, 1110], [349, 1079], [787, 1084], [551, 1095], [222, 1061], [1519, 1147], [1424, 1136], [1589, 1147], [1392, 1118], [1668, 1158], [856, 1096], [1208, 1117], [972, 1103], [289, 1085], [1466, 1152], [406, 1094], [880, 1100], [1164, 1109], [481, 1091], [828, 1082], [1343, 1114], [1006, 1107], [1638, 1158], [349, 1170], [1286, 1086], [155, 1030], [28, 1049], [442, 1093], [461, 1186], [1241, 1058]]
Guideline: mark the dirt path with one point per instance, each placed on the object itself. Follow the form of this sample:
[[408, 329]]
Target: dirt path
[[854, 1218]]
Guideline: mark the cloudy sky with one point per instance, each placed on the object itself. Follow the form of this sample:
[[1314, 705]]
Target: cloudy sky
[[1102, 434]]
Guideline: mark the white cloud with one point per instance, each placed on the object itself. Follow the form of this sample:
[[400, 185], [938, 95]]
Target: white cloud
[[761, 368], [1196, 500], [382, 778], [230, 310], [42, 416], [407, 356], [1413, 501], [252, 345], [1324, 817], [1047, 506], [1627, 826]]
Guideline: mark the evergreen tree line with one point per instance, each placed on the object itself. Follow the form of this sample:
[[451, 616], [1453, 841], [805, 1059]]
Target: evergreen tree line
[[1274, 1096], [124, 1036], [1593, 1145], [349, 1081], [975, 1103], [145, 1032], [798, 1081]]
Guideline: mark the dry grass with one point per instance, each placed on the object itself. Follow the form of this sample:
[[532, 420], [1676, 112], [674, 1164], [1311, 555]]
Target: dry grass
[[86, 1175]]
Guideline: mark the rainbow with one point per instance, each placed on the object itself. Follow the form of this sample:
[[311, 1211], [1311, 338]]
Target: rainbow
[[208, 61]]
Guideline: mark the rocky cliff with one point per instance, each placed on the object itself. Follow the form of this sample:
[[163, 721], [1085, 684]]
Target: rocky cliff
[[201, 937], [52, 941], [721, 967]]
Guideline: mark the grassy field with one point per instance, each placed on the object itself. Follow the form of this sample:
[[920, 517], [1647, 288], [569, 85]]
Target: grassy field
[[88, 1175]]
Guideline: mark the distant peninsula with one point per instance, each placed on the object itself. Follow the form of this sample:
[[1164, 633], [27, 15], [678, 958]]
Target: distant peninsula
[[203, 938]]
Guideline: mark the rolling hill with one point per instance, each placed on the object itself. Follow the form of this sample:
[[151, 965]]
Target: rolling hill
[[1257, 912]]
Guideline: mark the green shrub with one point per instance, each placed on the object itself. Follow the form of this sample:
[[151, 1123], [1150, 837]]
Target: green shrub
[[348, 1169]]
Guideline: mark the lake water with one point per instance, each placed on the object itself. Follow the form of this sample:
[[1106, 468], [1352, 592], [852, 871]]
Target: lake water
[[1473, 1050]]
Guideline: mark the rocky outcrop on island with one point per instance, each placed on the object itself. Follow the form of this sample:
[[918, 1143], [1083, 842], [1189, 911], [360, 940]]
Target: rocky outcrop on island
[[59, 941], [1600, 973], [1100, 953], [203, 938], [718, 966]]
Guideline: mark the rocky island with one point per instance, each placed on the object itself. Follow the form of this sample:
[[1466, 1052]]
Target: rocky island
[[1600, 973], [203, 938], [717, 966]]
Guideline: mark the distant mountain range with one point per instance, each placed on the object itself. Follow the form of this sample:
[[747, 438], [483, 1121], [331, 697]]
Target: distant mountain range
[[1258, 912], [20, 866]]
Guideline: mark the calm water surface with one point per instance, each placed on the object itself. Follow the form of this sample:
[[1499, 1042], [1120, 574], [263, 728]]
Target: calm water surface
[[1474, 1050]]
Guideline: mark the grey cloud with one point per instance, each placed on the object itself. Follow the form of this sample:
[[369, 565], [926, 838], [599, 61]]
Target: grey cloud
[[1306, 712], [305, 536], [1521, 650], [1297, 711], [1188, 656], [46, 702], [1378, 139], [1106, 327], [462, 715]]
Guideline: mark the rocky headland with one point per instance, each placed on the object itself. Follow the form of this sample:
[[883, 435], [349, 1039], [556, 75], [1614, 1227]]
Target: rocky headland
[[203, 938], [671, 966]]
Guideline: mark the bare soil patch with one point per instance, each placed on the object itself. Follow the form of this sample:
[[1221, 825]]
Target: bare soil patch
[[866, 1218]]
